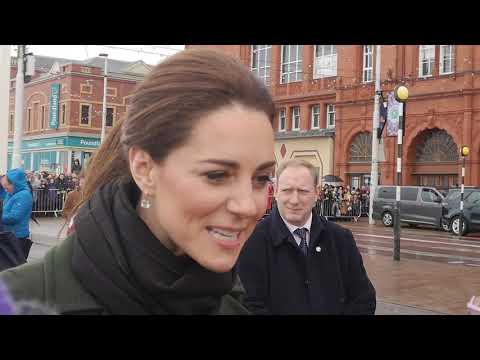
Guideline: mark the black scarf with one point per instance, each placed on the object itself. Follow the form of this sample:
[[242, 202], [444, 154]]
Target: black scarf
[[128, 270]]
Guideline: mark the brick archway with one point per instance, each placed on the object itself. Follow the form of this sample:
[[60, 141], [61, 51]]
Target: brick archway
[[350, 136], [356, 173], [441, 172], [412, 134], [41, 93]]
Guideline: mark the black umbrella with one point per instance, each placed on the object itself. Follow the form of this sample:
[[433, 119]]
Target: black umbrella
[[332, 178], [11, 253]]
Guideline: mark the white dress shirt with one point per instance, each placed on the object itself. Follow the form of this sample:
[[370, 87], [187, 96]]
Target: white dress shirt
[[292, 228]]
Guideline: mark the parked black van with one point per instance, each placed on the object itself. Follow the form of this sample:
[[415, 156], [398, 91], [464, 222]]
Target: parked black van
[[471, 210], [419, 205]]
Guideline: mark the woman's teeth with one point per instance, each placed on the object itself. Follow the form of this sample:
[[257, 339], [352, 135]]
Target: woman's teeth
[[223, 234]]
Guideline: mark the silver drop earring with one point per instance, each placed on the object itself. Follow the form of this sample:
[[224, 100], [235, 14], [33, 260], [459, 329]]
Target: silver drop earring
[[145, 203]]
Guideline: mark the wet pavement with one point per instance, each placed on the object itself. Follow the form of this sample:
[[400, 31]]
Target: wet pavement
[[417, 243], [437, 274], [45, 235]]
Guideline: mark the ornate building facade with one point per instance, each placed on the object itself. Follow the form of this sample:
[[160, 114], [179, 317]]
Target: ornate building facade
[[63, 106], [325, 99]]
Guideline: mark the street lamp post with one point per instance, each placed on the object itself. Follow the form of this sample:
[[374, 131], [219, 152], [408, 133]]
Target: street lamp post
[[104, 109], [401, 95], [18, 129], [464, 151], [375, 138], [4, 103]]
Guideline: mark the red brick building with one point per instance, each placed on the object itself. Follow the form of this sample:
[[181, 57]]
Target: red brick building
[[74, 133], [326, 92]]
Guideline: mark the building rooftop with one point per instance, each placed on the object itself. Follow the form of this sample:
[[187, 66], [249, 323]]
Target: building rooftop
[[45, 63]]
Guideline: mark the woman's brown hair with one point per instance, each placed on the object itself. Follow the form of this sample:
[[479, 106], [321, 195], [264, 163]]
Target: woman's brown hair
[[166, 106]]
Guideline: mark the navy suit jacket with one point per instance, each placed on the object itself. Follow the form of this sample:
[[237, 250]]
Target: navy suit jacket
[[279, 279]]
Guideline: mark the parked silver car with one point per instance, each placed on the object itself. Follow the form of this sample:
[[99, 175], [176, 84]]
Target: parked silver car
[[419, 205]]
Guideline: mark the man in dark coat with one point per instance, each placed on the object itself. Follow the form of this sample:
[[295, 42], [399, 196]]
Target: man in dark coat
[[296, 262]]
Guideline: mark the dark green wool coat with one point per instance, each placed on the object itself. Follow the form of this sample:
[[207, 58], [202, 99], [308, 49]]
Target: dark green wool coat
[[52, 282]]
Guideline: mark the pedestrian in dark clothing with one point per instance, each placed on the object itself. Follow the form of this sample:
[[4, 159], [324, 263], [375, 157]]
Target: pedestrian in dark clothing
[[76, 167], [165, 212], [296, 262], [52, 194], [61, 183]]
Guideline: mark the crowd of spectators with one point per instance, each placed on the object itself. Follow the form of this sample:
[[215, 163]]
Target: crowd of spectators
[[344, 200], [335, 201], [49, 190]]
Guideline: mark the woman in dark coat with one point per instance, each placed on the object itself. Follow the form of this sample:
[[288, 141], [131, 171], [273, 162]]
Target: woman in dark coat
[[61, 183], [165, 210], [76, 167], [52, 192]]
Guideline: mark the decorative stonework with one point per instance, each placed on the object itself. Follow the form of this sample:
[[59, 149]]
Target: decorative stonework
[[305, 133]]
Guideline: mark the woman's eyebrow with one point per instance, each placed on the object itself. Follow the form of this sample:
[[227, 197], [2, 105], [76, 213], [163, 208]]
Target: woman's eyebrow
[[227, 163], [235, 165]]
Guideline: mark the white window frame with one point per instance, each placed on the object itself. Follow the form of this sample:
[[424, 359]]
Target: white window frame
[[63, 114], [35, 110], [43, 124], [296, 117], [29, 119], [423, 59], [265, 52], [443, 59], [282, 115], [324, 65], [297, 73], [89, 115], [315, 115], [11, 123], [367, 63], [113, 115], [330, 115]]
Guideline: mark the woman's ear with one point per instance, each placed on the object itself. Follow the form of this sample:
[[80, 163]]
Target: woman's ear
[[141, 167]]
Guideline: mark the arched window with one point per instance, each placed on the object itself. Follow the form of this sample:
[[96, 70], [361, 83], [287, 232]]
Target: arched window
[[361, 148], [436, 146]]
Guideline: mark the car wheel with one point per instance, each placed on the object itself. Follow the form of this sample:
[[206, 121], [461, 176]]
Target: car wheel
[[455, 225], [387, 219], [445, 225]]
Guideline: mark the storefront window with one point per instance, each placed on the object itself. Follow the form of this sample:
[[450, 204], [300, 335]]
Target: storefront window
[[63, 161], [358, 180]]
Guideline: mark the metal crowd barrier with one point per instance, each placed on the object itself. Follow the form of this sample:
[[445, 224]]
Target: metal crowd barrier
[[48, 201], [365, 206], [334, 209]]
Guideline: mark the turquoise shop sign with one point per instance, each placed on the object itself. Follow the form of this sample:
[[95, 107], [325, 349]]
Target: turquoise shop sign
[[54, 101], [77, 141], [59, 141]]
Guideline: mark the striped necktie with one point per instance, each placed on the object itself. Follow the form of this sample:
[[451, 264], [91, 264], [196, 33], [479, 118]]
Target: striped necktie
[[302, 234]]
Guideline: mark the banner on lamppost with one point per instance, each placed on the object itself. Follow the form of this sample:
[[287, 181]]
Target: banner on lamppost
[[54, 102], [395, 110]]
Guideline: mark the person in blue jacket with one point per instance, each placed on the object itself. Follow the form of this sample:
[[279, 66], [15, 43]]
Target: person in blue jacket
[[17, 207], [3, 193]]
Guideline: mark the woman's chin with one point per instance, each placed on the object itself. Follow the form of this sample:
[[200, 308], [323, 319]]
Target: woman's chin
[[220, 265]]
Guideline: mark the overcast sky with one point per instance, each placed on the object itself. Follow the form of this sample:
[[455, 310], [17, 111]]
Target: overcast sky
[[151, 54]]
